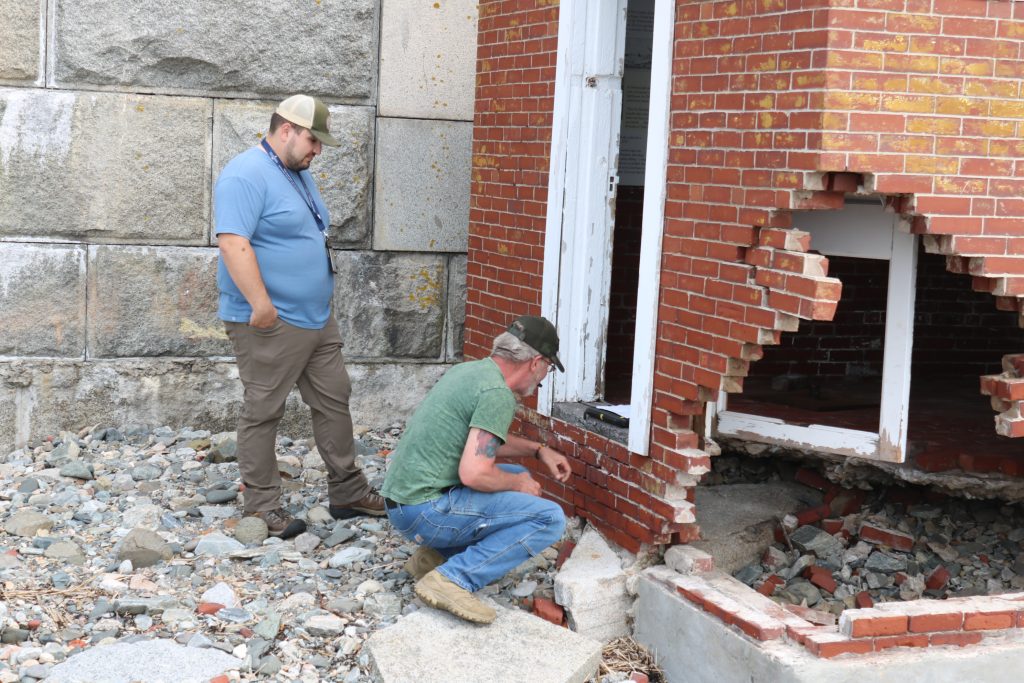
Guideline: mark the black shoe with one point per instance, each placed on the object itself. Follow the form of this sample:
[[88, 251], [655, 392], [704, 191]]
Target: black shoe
[[280, 523], [370, 504]]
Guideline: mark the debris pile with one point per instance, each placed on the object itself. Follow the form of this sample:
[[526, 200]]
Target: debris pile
[[131, 535], [861, 547]]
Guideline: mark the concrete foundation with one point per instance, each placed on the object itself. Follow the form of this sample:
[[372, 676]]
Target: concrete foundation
[[693, 646]]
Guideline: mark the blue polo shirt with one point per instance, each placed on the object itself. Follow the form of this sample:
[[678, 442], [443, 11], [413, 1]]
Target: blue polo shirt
[[254, 199]]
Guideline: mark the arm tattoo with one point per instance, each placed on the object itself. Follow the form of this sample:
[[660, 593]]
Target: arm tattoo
[[487, 445]]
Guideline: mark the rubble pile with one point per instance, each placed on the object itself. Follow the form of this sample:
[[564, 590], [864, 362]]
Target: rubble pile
[[130, 535], [862, 547]]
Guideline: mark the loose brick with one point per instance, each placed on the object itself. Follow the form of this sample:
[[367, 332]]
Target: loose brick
[[937, 578], [864, 600], [894, 539], [549, 610]]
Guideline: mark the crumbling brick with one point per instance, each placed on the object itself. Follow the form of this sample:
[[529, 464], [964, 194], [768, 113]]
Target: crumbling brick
[[894, 539]]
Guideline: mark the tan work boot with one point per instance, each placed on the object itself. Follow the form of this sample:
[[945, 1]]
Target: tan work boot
[[422, 562], [370, 504], [440, 593]]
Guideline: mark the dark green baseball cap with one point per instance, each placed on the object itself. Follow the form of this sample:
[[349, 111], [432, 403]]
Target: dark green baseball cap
[[539, 334]]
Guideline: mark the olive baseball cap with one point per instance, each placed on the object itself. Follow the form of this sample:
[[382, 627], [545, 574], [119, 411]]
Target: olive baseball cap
[[311, 113], [539, 334]]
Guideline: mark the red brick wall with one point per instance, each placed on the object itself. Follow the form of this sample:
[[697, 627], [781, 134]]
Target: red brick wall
[[777, 105], [780, 106]]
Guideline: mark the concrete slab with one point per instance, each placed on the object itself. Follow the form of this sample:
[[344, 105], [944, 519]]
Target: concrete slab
[[737, 521], [149, 661], [592, 587], [692, 646], [430, 646]]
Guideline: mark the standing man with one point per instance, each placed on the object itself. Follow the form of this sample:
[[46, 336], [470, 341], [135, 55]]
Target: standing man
[[276, 282], [475, 519]]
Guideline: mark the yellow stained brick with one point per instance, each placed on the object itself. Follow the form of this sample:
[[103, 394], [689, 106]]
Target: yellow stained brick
[[766, 119], [895, 84], [866, 82], [798, 101], [1013, 29], [930, 164], [812, 80], [925, 24], [854, 60], [990, 88], [945, 185], [952, 65], [934, 85], [703, 29], [773, 5], [1011, 109], [785, 139], [999, 129], [762, 139], [910, 143], [787, 179], [834, 121], [893, 44], [851, 100], [766, 63], [917, 64], [918, 104], [766, 102], [731, 9], [933, 124], [962, 105], [479, 160]]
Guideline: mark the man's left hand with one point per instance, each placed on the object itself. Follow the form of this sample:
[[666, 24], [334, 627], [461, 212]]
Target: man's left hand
[[557, 464]]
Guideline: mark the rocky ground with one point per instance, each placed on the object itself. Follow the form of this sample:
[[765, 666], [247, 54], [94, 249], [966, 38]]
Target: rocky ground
[[132, 535], [862, 546]]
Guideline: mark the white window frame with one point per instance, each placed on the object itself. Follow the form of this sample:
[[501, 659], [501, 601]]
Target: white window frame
[[580, 219], [864, 232]]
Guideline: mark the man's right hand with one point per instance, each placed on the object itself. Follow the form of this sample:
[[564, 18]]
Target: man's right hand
[[527, 484], [263, 317]]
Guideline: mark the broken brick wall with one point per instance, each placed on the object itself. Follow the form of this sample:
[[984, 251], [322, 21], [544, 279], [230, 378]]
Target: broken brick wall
[[780, 107], [776, 107], [957, 331]]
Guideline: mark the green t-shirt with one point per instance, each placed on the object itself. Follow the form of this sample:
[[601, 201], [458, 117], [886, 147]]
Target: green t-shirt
[[426, 460]]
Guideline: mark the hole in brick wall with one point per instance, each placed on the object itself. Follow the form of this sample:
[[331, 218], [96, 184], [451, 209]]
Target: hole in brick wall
[[780, 526], [618, 371], [830, 372]]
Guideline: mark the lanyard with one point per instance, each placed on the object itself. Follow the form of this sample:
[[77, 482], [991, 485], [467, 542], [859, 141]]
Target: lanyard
[[308, 198]]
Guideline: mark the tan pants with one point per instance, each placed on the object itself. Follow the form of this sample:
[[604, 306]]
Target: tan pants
[[270, 363]]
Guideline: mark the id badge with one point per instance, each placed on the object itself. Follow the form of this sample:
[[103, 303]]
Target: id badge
[[330, 259]]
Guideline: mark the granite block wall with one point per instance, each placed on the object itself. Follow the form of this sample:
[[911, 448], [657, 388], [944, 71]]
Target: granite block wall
[[115, 119]]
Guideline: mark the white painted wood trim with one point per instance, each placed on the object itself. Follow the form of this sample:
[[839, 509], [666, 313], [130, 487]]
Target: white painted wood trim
[[580, 218], [560, 128], [849, 442], [890, 443], [894, 413], [655, 192]]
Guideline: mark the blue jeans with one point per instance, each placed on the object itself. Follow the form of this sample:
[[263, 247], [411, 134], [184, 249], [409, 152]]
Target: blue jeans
[[483, 536]]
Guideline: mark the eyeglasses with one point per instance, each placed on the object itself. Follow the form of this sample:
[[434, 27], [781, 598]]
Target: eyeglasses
[[549, 364]]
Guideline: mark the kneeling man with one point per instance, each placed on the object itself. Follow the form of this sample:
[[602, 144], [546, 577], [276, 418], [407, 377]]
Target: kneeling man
[[474, 519]]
